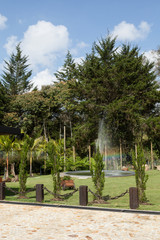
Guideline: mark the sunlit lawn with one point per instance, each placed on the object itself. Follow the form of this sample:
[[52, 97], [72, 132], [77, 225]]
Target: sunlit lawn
[[113, 187]]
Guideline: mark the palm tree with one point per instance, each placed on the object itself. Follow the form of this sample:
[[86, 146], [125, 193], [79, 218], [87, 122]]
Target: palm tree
[[42, 149], [6, 145], [33, 145], [54, 156]]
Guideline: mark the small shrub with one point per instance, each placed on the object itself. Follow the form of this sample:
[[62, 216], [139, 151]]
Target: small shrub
[[97, 173], [140, 175], [66, 178]]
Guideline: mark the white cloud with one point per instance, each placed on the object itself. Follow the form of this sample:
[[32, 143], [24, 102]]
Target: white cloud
[[79, 60], [82, 44], [43, 78], [3, 21], [79, 46], [129, 32], [11, 44], [43, 42], [151, 55]]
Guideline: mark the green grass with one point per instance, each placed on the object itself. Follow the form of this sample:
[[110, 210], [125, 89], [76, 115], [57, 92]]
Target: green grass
[[113, 187]]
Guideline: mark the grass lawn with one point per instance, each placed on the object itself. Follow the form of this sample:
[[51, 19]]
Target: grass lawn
[[113, 187]]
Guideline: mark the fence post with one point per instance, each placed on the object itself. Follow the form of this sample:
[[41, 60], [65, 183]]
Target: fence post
[[83, 195], [39, 193], [133, 198], [2, 190]]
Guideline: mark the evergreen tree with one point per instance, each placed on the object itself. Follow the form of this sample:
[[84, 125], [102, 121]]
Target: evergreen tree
[[68, 71], [3, 102], [140, 176], [136, 94], [15, 77], [23, 166], [98, 176]]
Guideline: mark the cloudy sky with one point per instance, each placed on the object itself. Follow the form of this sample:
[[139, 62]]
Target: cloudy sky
[[48, 29]]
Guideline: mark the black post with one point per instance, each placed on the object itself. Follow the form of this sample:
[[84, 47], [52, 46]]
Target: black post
[[39, 193], [133, 198], [2, 190], [83, 195]]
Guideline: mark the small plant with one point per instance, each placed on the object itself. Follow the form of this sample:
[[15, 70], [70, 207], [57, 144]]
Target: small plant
[[97, 173], [66, 178], [140, 175], [54, 159], [22, 168]]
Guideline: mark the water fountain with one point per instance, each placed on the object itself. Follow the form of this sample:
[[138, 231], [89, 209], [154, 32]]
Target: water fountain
[[111, 157]]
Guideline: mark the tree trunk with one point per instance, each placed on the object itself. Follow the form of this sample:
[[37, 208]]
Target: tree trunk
[[7, 171], [71, 128], [136, 150], [45, 131], [73, 147], [74, 154], [89, 149], [121, 154], [13, 169], [30, 164]]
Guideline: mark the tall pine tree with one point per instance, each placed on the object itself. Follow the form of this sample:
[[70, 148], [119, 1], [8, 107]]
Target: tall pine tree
[[68, 71], [15, 77]]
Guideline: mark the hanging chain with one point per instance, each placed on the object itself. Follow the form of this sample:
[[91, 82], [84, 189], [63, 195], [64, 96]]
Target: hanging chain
[[107, 197], [64, 196]]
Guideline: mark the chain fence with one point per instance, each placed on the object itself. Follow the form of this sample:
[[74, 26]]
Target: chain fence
[[61, 196], [68, 195], [107, 197], [17, 192]]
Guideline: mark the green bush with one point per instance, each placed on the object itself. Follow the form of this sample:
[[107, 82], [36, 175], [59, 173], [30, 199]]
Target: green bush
[[98, 176], [140, 175]]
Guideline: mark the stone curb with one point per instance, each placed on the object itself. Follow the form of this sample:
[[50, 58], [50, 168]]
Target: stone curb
[[82, 207]]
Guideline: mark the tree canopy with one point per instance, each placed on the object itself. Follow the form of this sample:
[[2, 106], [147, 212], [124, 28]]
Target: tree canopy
[[112, 84]]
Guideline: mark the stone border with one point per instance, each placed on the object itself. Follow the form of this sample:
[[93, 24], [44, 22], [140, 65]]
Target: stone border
[[83, 208]]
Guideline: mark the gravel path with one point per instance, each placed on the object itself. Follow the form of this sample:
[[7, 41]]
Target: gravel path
[[19, 222]]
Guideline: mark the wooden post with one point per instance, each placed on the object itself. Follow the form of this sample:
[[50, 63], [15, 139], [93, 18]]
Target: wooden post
[[83, 195], [2, 190], [133, 198], [39, 193], [74, 154], [64, 147], [152, 155], [105, 152]]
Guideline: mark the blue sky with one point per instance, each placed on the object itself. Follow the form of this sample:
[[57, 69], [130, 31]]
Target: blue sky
[[48, 29]]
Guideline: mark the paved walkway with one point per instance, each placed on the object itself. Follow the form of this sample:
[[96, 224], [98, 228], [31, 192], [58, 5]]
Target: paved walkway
[[19, 222]]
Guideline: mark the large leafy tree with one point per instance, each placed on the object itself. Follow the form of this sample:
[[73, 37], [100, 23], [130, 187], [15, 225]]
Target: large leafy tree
[[16, 76], [35, 112]]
